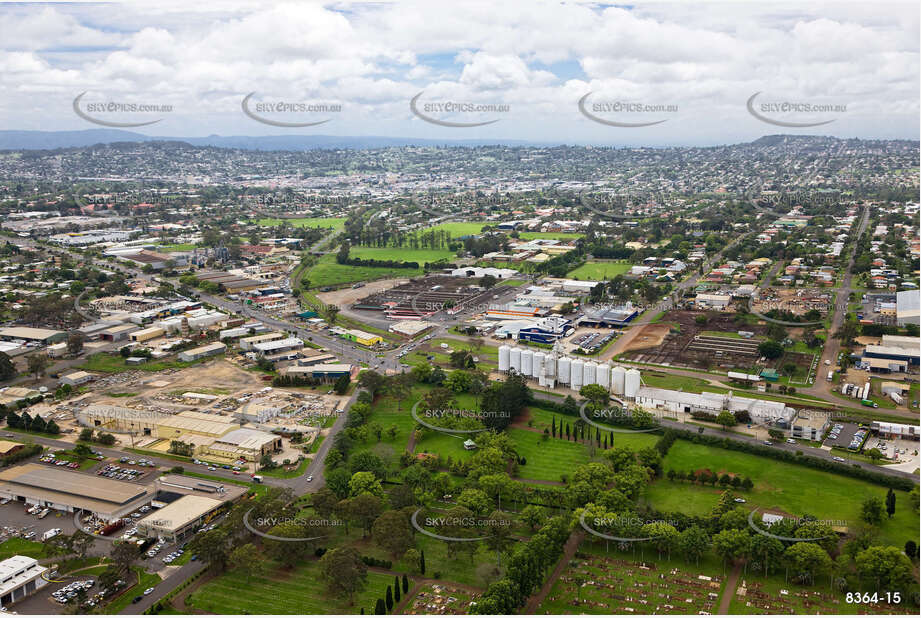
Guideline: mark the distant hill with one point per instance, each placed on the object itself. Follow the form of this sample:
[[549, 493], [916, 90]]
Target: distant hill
[[50, 140]]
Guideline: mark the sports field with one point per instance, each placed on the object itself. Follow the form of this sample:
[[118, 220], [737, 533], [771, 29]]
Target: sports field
[[599, 271], [791, 488], [327, 222]]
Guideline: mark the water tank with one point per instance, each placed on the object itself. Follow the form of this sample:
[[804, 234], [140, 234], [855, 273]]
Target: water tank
[[563, 370], [550, 366], [617, 380], [514, 359], [603, 375], [527, 362], [588, 373], [575, 379], [537, 366], [631, 383], [504, 355]]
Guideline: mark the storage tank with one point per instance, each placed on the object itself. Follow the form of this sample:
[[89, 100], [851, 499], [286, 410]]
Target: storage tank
[[537, 365], [603, 375], [617, 380], [514, 359], [631, 383], [504, 355], [527, 362], [550, 361], [575, 378], [588, 373], [563, 370]]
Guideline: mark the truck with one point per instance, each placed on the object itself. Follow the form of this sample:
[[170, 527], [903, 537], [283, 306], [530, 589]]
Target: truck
[[257, 478], [896, 397], [868, 403], [831, 376], [44, 513], [50, 534]]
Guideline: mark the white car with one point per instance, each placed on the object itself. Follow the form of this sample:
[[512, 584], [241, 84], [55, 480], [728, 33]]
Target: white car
[[838, 458], [148, 591], [309, 478], [740, 500]]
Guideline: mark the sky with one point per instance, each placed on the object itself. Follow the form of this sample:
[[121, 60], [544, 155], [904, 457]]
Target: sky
[[643, 73]]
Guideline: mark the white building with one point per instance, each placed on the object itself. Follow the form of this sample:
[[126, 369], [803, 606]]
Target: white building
[[20, 576]]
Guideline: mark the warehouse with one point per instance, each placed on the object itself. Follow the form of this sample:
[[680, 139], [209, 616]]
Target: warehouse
[[41, 335], [325, 372], [247, 343], [278, 346], [147, 334], [20, 576], [907, 307], [712, 301], [760, 411], [249, 444], [178, 520], [69, 491], [547, 330], [361, 337], [212, 349], [609, 317], [118, 333], [166, 426], [77, 378]]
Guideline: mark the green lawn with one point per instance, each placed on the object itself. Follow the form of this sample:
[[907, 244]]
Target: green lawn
[[401, 254], [547, 460], [281, 473], [327, 222], [794, 489], [177, 247], [327, 272], [21, 547], [111, 363], [599, 271], [299, 591], [458, 229]]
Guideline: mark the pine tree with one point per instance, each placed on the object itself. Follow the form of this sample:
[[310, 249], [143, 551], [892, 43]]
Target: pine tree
[[890, 503], [422, 562], [553, 428], [405, 584], [388, 599], [567, 431], [597, 436], [380, 608], [396, 589]]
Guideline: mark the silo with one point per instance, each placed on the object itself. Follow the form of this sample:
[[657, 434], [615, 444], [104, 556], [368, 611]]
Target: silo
[[575, 380], [617, 380], [537, 365], [514, 359], [588, 373], [603, 375], [563, 370], [527, 362], [504, 354], [631, 383]]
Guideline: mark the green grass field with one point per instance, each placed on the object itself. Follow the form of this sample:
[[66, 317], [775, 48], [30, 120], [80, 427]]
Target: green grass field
[[326, 222], [110, 363], [401, 254], [794, 489], [299, 591], [599, 271], [549, 235], [176, 247], [458, 229], [327, 272], [547, 460]]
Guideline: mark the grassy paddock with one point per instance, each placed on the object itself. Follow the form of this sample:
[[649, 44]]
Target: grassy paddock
[[599, 271]]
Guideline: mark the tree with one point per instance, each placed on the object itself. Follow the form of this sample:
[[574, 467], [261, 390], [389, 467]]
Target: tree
[[7, 368], [487, 281], [343, 571], [364, 509], [75, 343], [341, 385], [693, 542], [123, 556], [365, 483], [732, 544], [247, 560], [392, 532], [396, 589], [474, 499], [212, 546], [405, 584], [887, 567], [388, 599], [81, 543], [726, 419], [86, 434], [871, 511], [890, 503], [806, 560], [533, 515], [596, 394], [37, 363], [380, 608], [422, 562], [770, 349], [289, 553]]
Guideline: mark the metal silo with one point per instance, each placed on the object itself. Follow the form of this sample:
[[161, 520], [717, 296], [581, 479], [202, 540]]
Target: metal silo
[[576, 375], [631, 383], [527, 362], [603, 375], [514, 359], [504, 355], [617, 380], [563, 370]]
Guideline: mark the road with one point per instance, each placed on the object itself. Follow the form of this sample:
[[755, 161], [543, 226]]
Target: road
[[178, 576]]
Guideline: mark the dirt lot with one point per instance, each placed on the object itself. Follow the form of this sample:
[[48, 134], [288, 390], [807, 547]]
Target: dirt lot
[[670, 342], [347, 296]]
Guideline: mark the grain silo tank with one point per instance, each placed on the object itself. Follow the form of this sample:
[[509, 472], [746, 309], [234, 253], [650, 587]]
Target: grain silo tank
[[537, 366], [504, 355], [631, 383], [563, 370], [588, 373], [514, 360], [575, 379], [527, 362], [603, 376], [617, 380]]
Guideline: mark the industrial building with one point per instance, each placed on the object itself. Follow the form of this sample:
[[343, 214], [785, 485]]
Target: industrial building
[[249, 444], [609, 317], [278, 346], [809, 425], [146, 334], [20, 577], [119, 332], [547, 330], [212, 349], [895, 353], [70, 491], [896, 430], [178, 520], [77, 378], [40, 335], [907, 307], [247, 343], [326, 372], [361, 337]]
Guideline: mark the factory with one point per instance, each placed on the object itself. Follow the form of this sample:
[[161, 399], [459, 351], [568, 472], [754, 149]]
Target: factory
[[894, 354], [212, 349], [551, 368]]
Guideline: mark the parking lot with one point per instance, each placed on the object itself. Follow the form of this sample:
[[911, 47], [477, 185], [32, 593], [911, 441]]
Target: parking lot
[[18, 522]]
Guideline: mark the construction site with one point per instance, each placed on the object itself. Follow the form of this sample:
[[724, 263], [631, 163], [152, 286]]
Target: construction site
[[423, 297], [795, 301]]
